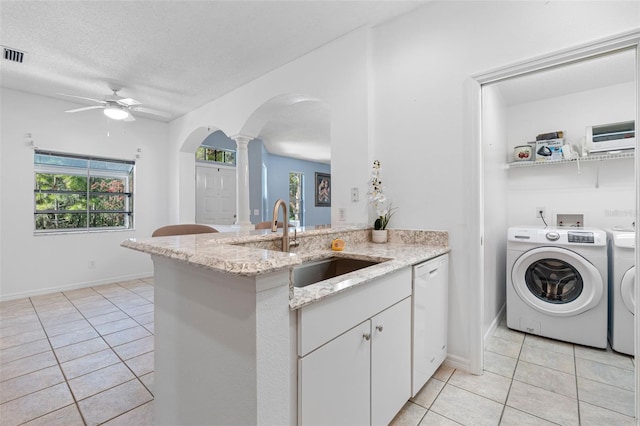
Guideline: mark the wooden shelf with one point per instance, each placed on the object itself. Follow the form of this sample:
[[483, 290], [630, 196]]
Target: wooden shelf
[[594, 157]]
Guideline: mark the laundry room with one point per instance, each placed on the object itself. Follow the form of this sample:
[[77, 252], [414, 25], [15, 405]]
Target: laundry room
[[543, 163]]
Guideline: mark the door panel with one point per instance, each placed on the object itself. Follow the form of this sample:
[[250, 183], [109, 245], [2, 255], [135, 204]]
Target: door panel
[[215, 195]]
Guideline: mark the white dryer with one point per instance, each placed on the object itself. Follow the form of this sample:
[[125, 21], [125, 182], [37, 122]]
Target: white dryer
[[557, 283], [622, 273]]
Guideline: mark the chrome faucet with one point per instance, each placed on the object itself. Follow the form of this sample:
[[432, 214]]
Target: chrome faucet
[[286, 244]]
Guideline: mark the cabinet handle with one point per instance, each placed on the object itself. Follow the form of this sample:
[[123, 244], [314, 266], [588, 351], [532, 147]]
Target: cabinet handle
[[366, 336], [379, 328]]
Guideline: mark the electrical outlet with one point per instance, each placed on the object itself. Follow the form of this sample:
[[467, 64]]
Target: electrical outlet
[[355, 195], [342, 215], [92, 264], [541, 212]]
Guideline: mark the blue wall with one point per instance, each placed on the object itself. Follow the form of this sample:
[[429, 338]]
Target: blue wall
[[278, 169], [277, 180]]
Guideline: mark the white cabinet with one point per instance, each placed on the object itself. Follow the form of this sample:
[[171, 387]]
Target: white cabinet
[[334, 381], [390, 361], [361, 375], [430, 301]]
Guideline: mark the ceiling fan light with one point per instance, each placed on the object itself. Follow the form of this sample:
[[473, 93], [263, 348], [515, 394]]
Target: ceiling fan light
[[116, 113]]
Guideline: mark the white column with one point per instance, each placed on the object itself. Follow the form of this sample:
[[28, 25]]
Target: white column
[[242, 180]]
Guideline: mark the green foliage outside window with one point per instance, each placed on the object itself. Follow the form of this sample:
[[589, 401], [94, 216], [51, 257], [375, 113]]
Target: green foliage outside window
[[74, 193], [216, 155]]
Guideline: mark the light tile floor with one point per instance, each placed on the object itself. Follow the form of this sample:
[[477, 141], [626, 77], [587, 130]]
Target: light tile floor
[[86, 357], [78, 357], [529, 380]]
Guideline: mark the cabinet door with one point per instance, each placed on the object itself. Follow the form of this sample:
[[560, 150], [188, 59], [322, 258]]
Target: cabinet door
[[390, 361], [334, 381], [430, 301]]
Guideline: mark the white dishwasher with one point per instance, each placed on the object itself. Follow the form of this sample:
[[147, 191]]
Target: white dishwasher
[[429, 311]]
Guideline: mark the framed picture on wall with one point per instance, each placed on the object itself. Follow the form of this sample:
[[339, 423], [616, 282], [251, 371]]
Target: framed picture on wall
[[323, 190]]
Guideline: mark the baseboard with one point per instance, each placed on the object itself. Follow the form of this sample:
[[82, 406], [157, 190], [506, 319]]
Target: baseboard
[[458, 362], [75, 286], [494, 325]]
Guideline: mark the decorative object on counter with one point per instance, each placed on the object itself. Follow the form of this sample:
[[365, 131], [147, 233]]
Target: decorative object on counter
[[323, 190], [523, 153], [337, 244], [384, 209]]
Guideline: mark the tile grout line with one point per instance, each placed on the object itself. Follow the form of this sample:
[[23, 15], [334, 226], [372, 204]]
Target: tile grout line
[[59, 365]]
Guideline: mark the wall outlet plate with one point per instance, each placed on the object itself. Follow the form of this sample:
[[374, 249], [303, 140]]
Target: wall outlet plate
[[355, 195]]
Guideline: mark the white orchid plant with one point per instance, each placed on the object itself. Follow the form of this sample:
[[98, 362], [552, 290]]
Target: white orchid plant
[[384, 209]]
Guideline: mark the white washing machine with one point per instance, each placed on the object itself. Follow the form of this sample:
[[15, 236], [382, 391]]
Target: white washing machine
[[622, 273], [557, 283]]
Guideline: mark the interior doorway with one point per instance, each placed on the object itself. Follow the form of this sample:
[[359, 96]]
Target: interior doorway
[[215, 195], [484, 260]]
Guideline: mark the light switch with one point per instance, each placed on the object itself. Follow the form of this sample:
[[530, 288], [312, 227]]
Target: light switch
[[256, 212]]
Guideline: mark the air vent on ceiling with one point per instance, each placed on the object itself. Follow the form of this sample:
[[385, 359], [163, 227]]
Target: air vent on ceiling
[[12, 55]]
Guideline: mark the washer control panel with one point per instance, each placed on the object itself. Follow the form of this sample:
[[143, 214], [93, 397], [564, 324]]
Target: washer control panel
[[580, 237], [553, 236]]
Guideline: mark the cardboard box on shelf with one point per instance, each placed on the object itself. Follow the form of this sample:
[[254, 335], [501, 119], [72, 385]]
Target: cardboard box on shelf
[[549, 150]]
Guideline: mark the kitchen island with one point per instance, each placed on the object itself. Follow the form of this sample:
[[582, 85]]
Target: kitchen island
[[226, 315]]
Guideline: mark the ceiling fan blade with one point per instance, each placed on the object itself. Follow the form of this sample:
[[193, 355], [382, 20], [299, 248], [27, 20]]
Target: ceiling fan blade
[[151, 111], [82, 97], [128, 102], [86, 108]]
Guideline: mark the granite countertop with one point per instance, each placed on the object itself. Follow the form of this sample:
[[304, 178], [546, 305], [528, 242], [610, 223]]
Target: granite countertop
[[256, 252]]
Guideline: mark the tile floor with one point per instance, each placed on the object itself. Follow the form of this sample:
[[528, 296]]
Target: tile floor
[[529, 380], [86, 357], [78, 357]]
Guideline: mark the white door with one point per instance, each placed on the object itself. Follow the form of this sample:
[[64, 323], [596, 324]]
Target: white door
[[215, 195], [556, 281], [430, 301], [390, 361], [627, 289], [334, 381]]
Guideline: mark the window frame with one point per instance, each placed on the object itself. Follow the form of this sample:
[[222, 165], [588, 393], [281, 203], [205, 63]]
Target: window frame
[[88, 172], [215, 150]]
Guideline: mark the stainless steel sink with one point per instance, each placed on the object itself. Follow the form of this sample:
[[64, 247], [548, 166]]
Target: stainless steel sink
[[323, 269]]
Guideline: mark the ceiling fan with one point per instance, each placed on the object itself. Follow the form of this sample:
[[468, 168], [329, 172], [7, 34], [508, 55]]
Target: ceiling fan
[[116, 107]]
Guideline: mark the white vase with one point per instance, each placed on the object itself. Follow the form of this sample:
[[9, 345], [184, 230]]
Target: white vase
[[379, 236]]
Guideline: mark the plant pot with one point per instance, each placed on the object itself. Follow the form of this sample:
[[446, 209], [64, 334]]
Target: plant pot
[[379, 236]]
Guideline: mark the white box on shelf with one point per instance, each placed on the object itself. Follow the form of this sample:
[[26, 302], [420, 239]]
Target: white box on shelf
[[549, 150]]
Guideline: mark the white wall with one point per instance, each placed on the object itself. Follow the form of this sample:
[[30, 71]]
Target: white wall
[[33, 264], [337, 75], [420, 64], [604, 192]]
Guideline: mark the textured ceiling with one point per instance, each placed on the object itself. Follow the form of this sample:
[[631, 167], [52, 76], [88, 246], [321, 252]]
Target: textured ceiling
[[172, 56]]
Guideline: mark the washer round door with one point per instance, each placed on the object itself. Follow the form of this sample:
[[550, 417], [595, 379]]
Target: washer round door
[[627, 288], [556, 281]]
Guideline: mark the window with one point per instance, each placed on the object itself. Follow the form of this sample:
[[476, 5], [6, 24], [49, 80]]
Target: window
[[216, 155], [296, 200], [73, 192]]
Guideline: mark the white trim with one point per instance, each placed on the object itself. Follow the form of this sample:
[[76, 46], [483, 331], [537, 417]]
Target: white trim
[[629, 39], [494, 324], [458, 362], [562, 57], [637, 221], [472, 131], [75, 286]]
